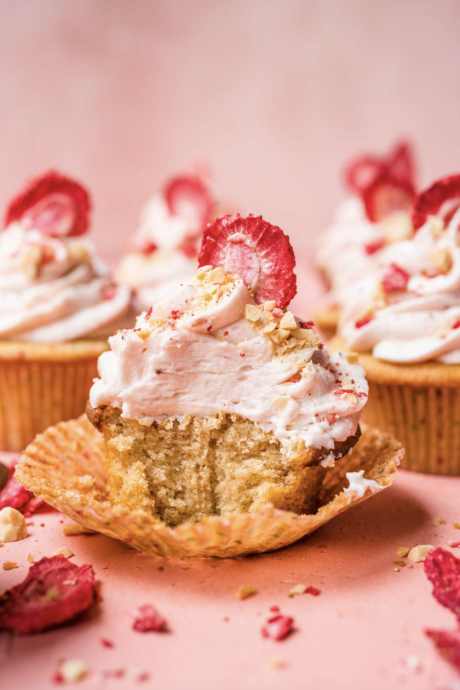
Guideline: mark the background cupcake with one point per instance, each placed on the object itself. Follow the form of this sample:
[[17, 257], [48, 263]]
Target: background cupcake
[[408, 325], [376, 214], [164, 248], [57, 306]]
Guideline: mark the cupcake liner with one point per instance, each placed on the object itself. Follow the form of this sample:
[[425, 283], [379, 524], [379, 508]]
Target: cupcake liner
[[425, 420], [41, 385], [418, 404], [65, 466]]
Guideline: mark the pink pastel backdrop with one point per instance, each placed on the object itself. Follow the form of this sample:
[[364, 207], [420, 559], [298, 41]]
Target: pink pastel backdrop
[[275, 96]]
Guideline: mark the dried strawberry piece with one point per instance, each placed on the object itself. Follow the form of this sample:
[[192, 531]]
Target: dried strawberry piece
[[443, 571], [54, 204], [54, 591], [149, 248], [385, 184], [147, 619], [258, 252], [441, 199], [373, 247], [188, 196], [363, 322], [448, 644], [278, 627], [395, 278], [14, 495], [314, 591]]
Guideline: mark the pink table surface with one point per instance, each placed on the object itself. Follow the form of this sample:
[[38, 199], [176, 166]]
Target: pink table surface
[[365, 630]]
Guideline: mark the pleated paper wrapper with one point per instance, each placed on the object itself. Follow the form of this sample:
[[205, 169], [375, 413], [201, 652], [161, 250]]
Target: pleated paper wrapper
[[64, 465], [41, 385]]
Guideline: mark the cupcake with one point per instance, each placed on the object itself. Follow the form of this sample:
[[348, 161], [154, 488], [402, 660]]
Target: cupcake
[[220, 400], [376, 214], [163, 251], [407, 327], [57, 306]]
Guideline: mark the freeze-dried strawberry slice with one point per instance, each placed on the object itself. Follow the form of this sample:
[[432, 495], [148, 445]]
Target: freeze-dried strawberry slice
[[385, 184], [400, 163], [443, 571], [395, 278], [448, 644], [256, 251], [147, 619], [278, 627], [53, 592], [364, 171], [386, 196], [54, 204], [442, 199], [188, 197]]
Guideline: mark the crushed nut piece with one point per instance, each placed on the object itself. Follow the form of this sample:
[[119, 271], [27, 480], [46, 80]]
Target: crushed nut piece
[[276, 662], [439, 521], [31, 558], [12, 525], [456, 525], [297, 589], [419, 553], [401, 564], [73, 529], [217, 275], [269, 306], [402, 551], [442, 259], [64, 551], [252, 313], [245, 591], [72, 670], [288, 321], [9, 565]]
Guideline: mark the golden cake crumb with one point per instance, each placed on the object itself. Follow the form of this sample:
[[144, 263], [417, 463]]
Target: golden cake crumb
[[31, 558], [402, 551], [9, 565], [401, 564], [245, 591], [439, 521], [456, 525]]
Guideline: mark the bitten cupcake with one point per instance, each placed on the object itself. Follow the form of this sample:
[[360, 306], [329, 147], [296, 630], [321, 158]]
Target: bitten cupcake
[[376, 214], [57, 301], [408, 327], [164, 248], [220, 400]]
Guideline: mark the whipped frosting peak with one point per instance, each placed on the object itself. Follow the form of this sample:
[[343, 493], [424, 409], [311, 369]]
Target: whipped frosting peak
[[54, 289], [209, 348], [163, 251], [410, 311]]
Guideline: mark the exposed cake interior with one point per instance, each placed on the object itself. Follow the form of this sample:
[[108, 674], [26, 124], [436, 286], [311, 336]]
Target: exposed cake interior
[[216, 404]]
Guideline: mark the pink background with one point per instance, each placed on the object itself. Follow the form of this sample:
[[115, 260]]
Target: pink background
[[274, 95]]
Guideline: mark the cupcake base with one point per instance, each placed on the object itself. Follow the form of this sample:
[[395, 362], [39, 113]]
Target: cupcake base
[[42, 384], [326, 320], [419, 404], [65, 466]]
